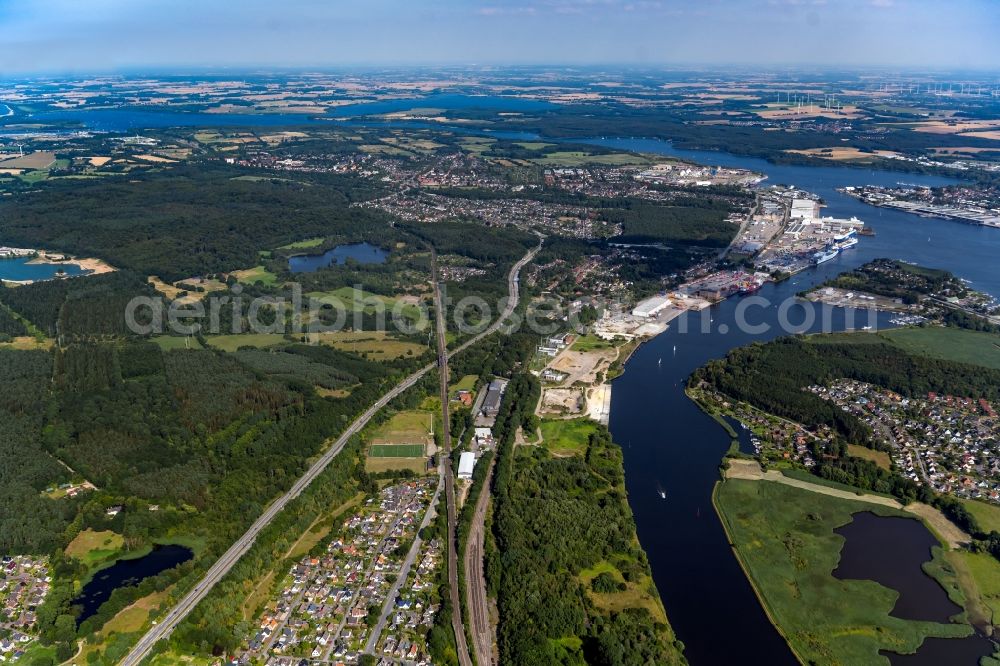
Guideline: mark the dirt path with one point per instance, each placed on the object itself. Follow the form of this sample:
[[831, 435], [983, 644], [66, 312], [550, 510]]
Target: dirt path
[[750, 470]]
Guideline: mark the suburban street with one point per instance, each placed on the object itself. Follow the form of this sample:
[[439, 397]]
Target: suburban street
[[221, 567], [404, 571]]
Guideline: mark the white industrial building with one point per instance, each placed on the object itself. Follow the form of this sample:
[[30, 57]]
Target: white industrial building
[[466, 463], [805, 209], [651, 306]]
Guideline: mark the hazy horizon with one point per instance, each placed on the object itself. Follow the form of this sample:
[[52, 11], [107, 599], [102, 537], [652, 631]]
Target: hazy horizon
[[66, 36]]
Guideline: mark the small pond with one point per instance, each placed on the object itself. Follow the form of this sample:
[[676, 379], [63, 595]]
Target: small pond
[[124, 573], [891, 551], [363, 253]]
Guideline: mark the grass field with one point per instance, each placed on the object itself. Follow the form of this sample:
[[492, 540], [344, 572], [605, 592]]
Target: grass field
[[376, 465], [409, 427], [567, 435], [987, 515], [303, 244], [635, 595], [231, 343], [570, 158], [590, 343], [377, 344], [950, 344], [880, 458], [396, 450], [90, 547], [985, 571], [466, 383], [351, 299], [785, 540], [256, 274]]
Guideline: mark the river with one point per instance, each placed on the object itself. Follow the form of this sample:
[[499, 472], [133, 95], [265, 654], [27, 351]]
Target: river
[[669, 442]]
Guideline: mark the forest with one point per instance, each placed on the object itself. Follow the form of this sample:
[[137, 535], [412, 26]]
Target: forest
[[190, 220]]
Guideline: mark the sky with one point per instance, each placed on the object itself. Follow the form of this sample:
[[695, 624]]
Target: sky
[[62, 36]]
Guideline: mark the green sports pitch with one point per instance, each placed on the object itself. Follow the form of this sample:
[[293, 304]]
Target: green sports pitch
[[396, 451]]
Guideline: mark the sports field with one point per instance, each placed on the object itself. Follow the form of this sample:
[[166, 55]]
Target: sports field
[[396, 451]]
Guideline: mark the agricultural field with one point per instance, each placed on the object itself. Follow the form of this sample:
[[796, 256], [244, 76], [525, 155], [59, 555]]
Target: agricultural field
[[949, 343], [41, 159], [785, 540], [567, 435]]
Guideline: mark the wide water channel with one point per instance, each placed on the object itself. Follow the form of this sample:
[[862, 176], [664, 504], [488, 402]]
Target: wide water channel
[[669, 443]]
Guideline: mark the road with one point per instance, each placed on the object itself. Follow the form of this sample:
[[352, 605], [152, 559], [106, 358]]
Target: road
[[217, 571], [475, 579]]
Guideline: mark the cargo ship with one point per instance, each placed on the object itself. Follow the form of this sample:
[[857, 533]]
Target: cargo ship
[[825, 256]]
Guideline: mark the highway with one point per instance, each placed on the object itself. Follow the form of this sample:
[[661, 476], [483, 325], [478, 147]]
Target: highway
[[475, 579], [217, 571]]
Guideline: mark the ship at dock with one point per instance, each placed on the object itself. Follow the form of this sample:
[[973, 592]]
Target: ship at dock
[[825, 255]]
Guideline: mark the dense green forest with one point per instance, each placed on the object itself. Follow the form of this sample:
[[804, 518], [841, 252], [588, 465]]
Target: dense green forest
[[77, 308], [190, 220], [554, 518]]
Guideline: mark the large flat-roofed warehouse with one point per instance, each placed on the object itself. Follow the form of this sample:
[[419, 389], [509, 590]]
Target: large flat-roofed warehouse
[[494, 394], [466, 464], [651, 306], [805, 209]]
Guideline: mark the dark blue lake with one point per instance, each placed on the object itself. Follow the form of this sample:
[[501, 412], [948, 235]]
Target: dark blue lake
[[129, 120], [444, 101], [363, 253], [20, 269], [124, 573]]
